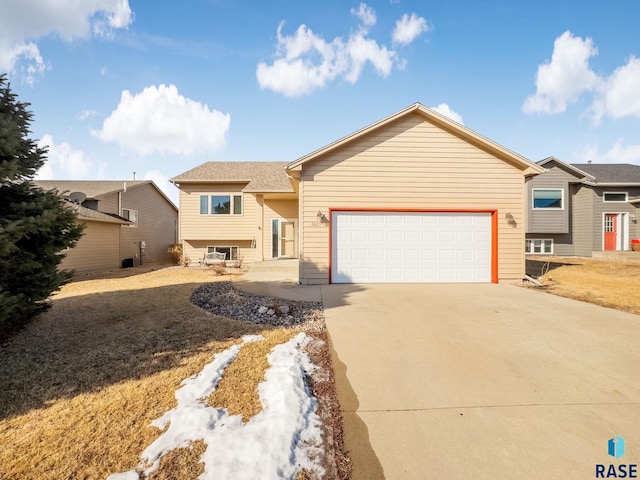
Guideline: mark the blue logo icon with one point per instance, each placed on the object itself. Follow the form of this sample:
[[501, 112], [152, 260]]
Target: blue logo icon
[[616, 446]]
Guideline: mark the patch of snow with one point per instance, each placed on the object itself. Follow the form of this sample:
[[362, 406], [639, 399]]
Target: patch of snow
[[124, 476], [274, 444]]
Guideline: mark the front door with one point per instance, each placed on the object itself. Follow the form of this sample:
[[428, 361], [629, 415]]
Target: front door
[[287, 239], [283, 238], [610, 231]]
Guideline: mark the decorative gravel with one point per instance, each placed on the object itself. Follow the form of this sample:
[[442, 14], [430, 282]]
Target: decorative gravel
[[221, 298]]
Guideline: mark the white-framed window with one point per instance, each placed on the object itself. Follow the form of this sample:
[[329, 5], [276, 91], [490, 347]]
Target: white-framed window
[[615, 197], [131, 215], [541, 246], [548, 198], [221, 204], [230, 251]]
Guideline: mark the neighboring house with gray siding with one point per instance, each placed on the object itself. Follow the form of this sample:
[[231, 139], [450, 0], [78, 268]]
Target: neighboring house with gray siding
[[578, 209], [125, 220]]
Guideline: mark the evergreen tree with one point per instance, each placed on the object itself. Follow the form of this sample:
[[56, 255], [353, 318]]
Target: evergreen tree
[[35, 226]]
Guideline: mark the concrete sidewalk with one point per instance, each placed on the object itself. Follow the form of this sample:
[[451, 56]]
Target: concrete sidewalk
[[279, 279], [481, 381]]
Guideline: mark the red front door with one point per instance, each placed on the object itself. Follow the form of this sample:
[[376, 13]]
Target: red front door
[[610, 231]]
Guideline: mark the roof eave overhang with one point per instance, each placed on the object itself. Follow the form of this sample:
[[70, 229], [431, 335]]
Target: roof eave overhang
[[207, 180], [94, 219], [617, 184], [259, 191]]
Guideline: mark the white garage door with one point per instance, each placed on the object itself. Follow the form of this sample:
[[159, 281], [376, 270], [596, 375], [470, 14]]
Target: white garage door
[[385, 247]]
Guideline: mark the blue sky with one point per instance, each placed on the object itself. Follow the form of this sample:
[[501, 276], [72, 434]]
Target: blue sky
[[159, 87]]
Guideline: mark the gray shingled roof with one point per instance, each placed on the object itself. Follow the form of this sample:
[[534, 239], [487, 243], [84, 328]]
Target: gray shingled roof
[[85, 213], [91, 188], [259, 176], [623, 173]]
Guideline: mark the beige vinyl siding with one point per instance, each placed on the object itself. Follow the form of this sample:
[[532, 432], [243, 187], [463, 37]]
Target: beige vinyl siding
[[280, 209], [195, 249], [157, 224], [109, 204], [97, 250], [410, 164], [549, 221], [194, 226]]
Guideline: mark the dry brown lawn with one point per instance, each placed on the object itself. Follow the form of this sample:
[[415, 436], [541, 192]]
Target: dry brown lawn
[[80, 385], [602, 282]]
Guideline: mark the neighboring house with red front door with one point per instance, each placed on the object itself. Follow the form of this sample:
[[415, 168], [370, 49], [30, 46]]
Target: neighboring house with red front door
[[414, 197], [578, 209]]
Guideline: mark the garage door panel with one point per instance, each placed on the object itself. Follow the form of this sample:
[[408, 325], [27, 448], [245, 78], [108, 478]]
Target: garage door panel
[[371, 247]]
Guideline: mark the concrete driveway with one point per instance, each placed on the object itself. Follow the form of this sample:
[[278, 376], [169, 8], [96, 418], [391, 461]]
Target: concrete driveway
[[482, 381]]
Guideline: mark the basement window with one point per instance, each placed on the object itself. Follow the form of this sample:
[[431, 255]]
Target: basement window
[[539, 246], [231, 252]]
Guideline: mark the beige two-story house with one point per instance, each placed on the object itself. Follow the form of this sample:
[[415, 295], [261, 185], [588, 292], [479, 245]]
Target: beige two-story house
[[127, 223], [247, 210], [414, 197]]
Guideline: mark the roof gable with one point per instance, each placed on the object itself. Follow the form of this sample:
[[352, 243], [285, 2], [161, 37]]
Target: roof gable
[[438, 120], [570, 169], [258, 176]]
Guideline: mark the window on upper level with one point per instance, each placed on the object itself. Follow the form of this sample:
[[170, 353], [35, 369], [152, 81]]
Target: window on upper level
[[615, 197], [131, 215], [221, 204], [548, 198]]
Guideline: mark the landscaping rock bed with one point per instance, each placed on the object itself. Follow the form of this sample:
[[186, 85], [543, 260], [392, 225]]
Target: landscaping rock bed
[[221, 298]]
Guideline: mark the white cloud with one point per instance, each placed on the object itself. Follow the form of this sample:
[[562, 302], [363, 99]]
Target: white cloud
[[63, 161], [618, 153], [561, 81], [446, 110], [362, 50], [84, 114], [159, 119], [23, 22], [408, 28], [366, 14], [619, 95], [306, 61]]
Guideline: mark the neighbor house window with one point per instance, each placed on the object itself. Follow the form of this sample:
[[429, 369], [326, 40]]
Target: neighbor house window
[[131, 215], [615, 197], [231, 252], [548, 198], [221, 204], [539, 246]]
